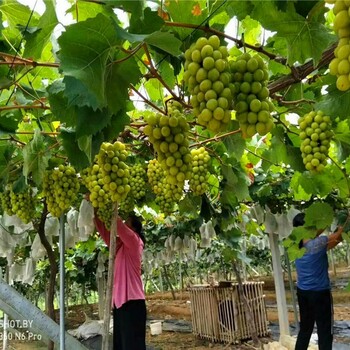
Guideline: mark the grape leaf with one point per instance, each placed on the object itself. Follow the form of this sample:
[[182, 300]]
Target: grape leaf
[[135, 7], [305, 39], [36, 41], [319, 215], [165, 41], [239, 8], [17, 14], [335, 103], [36, 158], [149, 23], [59, 104], [299, 193], [76, 156], [120, 76], [85, 48], [9, 120], [6, 152], [83, 10]]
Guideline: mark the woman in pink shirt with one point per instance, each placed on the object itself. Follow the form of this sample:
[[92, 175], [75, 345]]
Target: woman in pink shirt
[[129, 306]]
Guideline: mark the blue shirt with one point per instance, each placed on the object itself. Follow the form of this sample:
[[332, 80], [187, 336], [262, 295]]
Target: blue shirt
[[312, 267]]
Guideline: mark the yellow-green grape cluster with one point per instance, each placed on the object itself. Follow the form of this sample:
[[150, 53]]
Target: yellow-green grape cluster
[[60, 187], [340, 65], [200, 174], [126, 207], [168, 134], [166, 194], [104, 213], [109, 176], [138, 179], [315, 134], [6, 202], [207, 77], [23, 205], [251, 95]]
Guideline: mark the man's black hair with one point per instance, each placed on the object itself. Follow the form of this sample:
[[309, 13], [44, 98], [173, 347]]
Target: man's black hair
[[299, 220]]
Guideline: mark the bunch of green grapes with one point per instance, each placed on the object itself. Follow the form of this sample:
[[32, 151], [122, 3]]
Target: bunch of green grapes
[[109, 176], [315, 134], [168, 134], [60, 187], [340, 65], [23, 205], [6, 204], [126, 207], [105, 212], [251, 95], [207, 77], [200, 174], [166, 194], [138, 179]]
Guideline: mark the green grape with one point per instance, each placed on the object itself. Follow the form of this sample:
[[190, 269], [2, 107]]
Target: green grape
[[138, 178], [167, 195], [6, 204], [105, 212], [251, 95], [340, 65], [60, 188], [126, 206], [200, 174], [315, 143], [207, 78], [109, 176], [172, 148], [23, 205]]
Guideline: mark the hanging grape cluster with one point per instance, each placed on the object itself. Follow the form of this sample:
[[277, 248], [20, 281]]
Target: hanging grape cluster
[[168, 135], [23, 204], [315, 134], [207, 77], [60, 188], [109, 177], [138, 179], [6, 204], [105, 212], [251, 95], [340, 65], [200, 174], [166, 194]]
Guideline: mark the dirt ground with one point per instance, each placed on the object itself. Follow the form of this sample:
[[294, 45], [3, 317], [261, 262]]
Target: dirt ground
[[161, 306]]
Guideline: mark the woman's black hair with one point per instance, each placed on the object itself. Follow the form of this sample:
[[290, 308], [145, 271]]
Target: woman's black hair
[[136, 223], [299, 220]]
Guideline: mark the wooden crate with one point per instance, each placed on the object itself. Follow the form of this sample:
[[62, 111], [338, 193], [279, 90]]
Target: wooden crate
[[218, 313]]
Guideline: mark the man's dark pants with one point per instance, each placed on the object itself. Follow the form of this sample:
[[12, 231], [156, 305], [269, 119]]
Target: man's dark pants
[[315, 306]]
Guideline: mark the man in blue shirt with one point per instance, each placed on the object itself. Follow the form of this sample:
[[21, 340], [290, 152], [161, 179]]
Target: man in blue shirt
[[314, 289]]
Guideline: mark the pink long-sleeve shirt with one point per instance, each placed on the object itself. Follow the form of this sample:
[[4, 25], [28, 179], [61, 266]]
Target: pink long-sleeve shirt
[[127, 283]]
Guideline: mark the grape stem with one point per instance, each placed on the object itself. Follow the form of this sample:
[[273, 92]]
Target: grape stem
[[239, 42], [133, 88], [216, 138]]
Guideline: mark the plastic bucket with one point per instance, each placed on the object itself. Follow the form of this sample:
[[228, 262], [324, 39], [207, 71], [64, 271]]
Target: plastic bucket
[[156, 328]]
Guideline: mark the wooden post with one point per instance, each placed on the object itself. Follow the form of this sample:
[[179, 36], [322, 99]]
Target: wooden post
[[109, 289], [279, 285]]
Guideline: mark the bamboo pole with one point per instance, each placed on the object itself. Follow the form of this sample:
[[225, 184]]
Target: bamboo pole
[[109, 289]]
